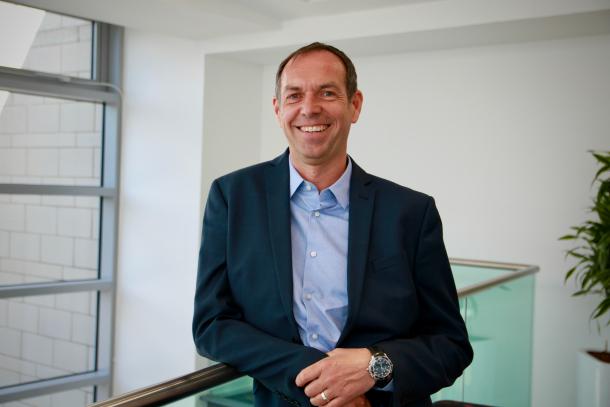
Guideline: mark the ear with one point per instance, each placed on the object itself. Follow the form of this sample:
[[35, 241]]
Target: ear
[[356, 103], [276, 109]]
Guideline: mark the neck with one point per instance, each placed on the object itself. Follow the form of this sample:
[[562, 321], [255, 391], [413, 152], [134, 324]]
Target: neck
[[322, 175]]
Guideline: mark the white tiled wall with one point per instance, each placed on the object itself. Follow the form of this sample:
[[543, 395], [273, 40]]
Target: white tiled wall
[[50, 141], [49, 238]]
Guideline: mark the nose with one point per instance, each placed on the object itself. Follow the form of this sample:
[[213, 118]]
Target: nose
[[310, 105]]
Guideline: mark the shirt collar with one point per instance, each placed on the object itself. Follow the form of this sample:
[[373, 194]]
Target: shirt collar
[[340, 188]]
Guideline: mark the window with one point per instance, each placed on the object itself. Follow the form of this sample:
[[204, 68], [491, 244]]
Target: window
[[59, 145]]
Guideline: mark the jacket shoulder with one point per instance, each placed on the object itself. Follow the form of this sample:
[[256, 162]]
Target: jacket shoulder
[[389, 189]]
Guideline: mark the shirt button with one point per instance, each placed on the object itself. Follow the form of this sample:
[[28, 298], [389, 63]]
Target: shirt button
[[308, 187], [308, 296], [316, 214], [314, 337], [313, 253]]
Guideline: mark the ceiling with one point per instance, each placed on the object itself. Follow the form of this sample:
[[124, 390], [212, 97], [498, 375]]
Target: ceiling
[[292, 9], [205, 19]]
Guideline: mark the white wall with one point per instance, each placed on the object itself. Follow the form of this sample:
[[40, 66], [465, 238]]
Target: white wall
[[159, 214], [499, 136], [232, 119]]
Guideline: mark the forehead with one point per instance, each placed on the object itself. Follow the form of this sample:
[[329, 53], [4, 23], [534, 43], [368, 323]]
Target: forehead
[[314, 67]]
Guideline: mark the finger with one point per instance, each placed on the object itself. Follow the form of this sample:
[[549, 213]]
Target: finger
[[308, 374], [338, 402], [314, 388], [318, 400]]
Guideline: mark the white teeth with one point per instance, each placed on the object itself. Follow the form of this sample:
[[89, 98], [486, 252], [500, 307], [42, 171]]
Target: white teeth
[[310, 129]]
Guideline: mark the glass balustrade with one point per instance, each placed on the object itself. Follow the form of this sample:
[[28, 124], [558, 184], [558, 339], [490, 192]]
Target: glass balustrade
[[496, 302], [499, 317]]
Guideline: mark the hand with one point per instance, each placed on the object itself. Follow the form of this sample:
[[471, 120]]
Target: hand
[[360, 401], [342, 376]]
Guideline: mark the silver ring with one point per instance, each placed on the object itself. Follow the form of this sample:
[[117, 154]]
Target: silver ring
[[324, 396]]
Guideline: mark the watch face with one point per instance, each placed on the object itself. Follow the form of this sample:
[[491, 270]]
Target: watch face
[[381, 367]]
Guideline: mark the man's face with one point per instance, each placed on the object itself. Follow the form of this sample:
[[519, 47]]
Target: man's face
[[314, 109]]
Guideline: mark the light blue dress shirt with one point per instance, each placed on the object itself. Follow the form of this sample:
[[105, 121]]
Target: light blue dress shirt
[[319, 226]]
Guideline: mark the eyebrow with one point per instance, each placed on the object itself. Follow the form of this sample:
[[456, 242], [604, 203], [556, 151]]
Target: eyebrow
[[292, 88], [329, 85], [323, 86]]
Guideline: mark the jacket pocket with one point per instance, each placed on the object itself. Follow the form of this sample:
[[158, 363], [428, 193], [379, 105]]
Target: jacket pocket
[[395, 260]]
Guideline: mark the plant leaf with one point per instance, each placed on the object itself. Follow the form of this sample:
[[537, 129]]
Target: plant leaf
[[591, 270], [567, 237]]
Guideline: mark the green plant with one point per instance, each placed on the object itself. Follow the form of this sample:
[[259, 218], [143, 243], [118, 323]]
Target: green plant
[[592, 253]]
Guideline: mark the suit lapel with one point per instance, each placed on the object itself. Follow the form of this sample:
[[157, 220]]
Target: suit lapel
[[361, 203], [278, 217]]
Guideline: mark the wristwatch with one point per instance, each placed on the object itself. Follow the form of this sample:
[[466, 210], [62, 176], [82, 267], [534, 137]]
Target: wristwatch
[[380, 367]]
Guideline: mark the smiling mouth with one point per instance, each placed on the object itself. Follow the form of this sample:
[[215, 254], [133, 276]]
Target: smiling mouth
[[313, 129]]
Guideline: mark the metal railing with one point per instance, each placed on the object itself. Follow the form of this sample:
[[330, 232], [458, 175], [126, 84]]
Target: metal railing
[[174, 389], [515, 271]]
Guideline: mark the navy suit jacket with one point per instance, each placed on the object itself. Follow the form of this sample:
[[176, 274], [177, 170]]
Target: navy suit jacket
[[401, 293]]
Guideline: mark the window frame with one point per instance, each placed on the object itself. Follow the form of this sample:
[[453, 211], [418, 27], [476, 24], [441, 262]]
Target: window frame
[[104, 88]]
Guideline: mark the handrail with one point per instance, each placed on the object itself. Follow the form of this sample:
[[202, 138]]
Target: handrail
[[516, 271], [215, 375], [174, 389]]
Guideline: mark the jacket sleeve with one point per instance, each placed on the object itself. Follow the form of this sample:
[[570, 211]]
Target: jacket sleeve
[[438, 351], [219, 330]]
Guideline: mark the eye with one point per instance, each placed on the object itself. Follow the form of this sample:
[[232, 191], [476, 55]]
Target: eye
[[328, 93], [292, 97]]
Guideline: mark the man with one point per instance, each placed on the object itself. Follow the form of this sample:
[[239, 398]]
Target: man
[[327, 285]]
